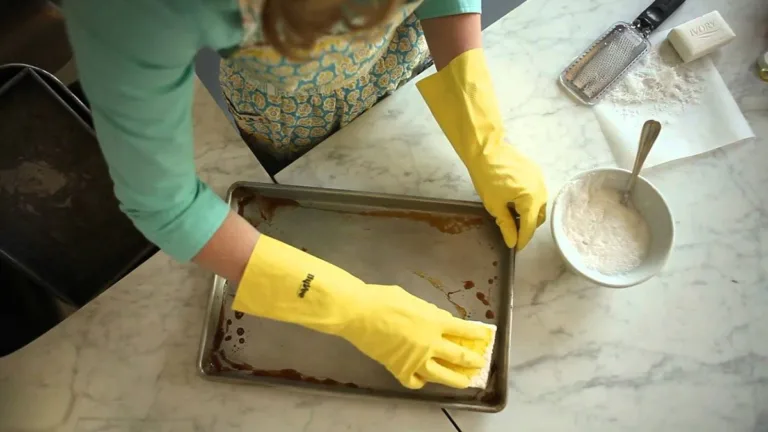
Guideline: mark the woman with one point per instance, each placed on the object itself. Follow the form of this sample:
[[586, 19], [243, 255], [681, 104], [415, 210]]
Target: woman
[[293, 72]]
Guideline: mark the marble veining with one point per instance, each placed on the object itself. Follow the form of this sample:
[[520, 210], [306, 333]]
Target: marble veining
[[688, 350]]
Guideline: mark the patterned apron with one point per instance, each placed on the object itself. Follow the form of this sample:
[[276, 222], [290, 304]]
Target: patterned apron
[[285, 107]]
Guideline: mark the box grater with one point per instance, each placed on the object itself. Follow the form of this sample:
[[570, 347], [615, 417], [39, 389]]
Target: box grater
[[611, 56]]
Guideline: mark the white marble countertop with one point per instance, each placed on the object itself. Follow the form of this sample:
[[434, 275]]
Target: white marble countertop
[[684, 351], [126, 362], [687, 350]]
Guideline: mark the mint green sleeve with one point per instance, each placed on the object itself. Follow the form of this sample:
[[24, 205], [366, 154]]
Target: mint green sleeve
[[441, 8], [135, 62]]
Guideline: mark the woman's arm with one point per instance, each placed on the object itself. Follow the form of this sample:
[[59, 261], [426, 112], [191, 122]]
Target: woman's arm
[[450, 27], [228, 251], [463, 102], [450, 36], [135, 61]]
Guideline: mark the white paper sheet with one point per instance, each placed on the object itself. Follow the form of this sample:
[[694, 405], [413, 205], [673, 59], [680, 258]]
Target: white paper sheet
[[714, 121]]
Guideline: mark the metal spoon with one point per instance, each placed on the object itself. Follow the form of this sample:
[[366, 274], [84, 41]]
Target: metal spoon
[[648, 135]]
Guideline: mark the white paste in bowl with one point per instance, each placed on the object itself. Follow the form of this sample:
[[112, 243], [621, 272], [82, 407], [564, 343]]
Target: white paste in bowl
[[611, 238]]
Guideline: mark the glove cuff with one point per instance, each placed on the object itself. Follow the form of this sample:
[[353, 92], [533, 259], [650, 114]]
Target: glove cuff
[[283, 283], [462, 101]]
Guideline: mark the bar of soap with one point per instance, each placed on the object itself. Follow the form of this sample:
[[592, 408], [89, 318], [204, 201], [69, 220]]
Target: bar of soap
[[701, 36]]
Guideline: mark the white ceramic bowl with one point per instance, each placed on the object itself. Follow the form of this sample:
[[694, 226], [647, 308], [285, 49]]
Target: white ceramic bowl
[[651, 205]]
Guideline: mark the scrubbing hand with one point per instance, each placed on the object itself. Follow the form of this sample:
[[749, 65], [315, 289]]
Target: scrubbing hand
[[409, 336], [463, 103], [416, 340], [502, 177]]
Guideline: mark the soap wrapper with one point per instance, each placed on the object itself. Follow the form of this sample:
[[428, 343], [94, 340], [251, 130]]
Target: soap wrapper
[[713, 121]]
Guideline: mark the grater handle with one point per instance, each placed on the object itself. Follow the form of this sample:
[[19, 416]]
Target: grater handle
[[655, 14]]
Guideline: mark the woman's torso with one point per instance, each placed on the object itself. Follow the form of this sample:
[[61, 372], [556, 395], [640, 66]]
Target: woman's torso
[[285, 106]]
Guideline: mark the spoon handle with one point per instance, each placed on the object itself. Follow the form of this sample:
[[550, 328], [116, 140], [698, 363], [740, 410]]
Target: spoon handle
[[650, 132]]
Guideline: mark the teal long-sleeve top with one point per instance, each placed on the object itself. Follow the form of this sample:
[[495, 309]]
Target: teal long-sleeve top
[[135, 62]]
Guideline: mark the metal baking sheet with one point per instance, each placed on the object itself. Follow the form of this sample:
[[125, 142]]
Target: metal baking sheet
[[447, 252], [60, 223]]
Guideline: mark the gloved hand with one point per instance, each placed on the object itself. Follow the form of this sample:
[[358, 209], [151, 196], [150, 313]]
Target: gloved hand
[[404, 333], [462, 101]]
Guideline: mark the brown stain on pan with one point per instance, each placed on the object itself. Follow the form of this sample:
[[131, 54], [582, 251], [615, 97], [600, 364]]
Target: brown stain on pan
[[453, 224], [295, 375], [446, 224], [490, 397], [242, 202], [439, 285], [462, 312], [267, 206], [218, 337], [216, 363], [469, 284], [480, 296], [220, 363]]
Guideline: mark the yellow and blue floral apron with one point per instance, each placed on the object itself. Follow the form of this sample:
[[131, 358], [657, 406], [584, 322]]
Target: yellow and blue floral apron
[[284, 107]]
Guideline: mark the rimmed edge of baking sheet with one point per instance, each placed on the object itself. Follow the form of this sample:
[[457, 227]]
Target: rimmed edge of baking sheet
[[500, 364]]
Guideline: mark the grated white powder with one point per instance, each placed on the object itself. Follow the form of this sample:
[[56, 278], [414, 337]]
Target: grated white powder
[[611, 238], [660, 81]]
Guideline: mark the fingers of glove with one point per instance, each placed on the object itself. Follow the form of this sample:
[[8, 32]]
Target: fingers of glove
[[542, 214], [529, 221], [458, 355], [412, 381], [508, 228], [434, 372], [466, 329]]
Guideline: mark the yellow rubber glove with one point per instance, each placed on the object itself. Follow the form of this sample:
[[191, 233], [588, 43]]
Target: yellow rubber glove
[[462, 101], [409, 336]]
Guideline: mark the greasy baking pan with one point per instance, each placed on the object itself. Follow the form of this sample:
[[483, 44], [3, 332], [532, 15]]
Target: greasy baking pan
[[447, 252], [60, 223]]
